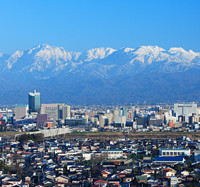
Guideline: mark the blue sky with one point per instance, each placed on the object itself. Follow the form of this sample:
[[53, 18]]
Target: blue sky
[[78, 25]]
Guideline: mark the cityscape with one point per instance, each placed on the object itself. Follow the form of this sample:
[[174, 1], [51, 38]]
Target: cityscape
[[99, 93], [56, 144]]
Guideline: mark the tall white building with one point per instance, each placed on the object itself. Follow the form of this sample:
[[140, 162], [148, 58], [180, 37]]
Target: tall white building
[[185, 110]]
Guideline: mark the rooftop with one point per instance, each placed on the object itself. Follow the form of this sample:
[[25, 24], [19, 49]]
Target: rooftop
[[169, 159], [34, 93]]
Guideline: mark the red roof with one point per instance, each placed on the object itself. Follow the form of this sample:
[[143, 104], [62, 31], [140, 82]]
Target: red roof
[[101, 181]]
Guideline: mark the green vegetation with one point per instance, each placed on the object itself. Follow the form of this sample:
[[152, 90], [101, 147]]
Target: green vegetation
[[3, 167], [35, 137], [65, 171]]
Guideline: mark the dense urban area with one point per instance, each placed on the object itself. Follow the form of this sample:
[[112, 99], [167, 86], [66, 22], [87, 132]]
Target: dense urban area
[[99, 145]]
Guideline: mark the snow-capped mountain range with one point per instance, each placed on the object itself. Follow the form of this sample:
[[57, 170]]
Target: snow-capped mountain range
[[45, 61], [101, 75]]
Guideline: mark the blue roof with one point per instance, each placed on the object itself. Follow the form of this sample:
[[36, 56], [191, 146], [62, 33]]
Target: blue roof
[[20, 105], [168, 159]]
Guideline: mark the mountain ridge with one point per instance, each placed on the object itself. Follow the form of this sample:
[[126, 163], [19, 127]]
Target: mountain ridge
[[102, 73]]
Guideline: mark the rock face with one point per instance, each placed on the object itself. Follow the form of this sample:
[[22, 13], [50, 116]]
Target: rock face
[[101, 75]]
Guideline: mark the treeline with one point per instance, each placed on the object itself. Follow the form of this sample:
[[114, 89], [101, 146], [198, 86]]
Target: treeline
[[35, 137]]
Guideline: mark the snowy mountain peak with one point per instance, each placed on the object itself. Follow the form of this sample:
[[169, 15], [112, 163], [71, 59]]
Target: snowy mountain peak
[[97, 53], [149, 49], [148, 54], [176, 50], [181, 55], [48, 60]]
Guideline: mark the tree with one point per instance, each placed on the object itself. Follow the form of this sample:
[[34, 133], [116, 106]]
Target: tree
[[35, 137], [3, 167], [177, 167], [65, 171]]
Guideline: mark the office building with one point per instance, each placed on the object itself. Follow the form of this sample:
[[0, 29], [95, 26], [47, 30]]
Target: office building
[[75, 122], [34, 101], [185, 111], [103, 121], [56, 111], [51, 110], [122, 112], [20, 111], [174, 152], [120, 120], [112, 153], [41, 119], [68, 116]]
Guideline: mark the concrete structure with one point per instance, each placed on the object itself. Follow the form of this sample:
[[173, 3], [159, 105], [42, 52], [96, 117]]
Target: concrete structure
[[112, 153], [75, 122], [20, 111], [34, 101], [155, 121], [52, 132], [120, 120], [62, 111], [41, 119], [174, 152], [103, 121], [185, 110], [110, 117], [68, 112], [56, 111], [51, 110]]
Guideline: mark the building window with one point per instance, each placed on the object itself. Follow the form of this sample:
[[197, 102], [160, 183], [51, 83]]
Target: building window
[[164, 153]]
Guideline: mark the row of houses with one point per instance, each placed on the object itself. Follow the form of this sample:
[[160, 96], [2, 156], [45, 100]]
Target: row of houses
[[87, 162]]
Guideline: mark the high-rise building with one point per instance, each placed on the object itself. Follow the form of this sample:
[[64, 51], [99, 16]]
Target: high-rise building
[[68, 112], [34, 101], [51, 110], [63, 111], [185, 110], [56, 111], [103, 121]]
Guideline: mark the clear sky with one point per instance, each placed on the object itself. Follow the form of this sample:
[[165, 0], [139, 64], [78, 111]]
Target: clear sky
[[78, 25]]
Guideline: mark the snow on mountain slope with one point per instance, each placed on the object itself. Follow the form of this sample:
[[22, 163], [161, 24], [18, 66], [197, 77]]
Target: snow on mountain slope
[[44, 61], [180, 55], [96, 53], [13, 58]]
